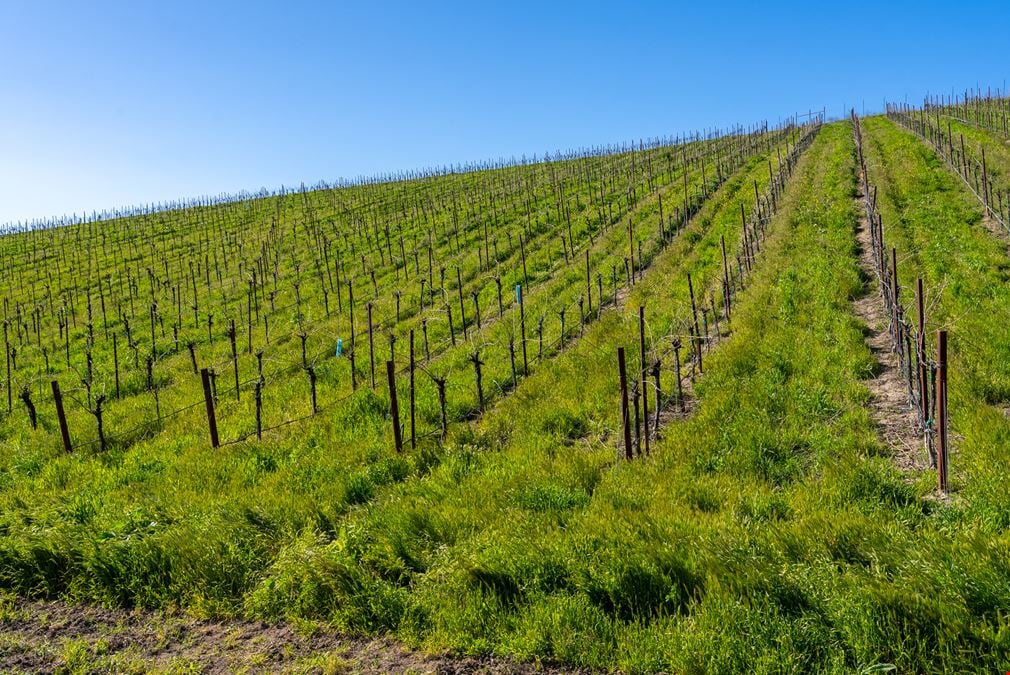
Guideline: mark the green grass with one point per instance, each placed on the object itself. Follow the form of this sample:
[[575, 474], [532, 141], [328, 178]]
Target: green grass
[[164, 520], [541, 454], [769, 531], [936, 225]]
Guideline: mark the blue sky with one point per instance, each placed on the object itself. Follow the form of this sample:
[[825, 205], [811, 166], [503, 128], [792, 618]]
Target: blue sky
[[111, 103]]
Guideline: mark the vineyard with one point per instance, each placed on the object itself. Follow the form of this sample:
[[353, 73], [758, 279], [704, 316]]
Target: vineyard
[[724, 402]]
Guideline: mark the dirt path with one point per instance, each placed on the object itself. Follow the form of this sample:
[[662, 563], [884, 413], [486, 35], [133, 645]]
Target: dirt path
[[54, 637], [996, 229], [889, 405]]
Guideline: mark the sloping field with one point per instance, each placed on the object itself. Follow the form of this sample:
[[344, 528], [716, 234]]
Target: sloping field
[[657, 408]]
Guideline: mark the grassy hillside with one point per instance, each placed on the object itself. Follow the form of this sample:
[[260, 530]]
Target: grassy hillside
[[768, 528]]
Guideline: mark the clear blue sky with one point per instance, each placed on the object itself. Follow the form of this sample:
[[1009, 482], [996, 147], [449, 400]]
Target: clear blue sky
[[111, 103]]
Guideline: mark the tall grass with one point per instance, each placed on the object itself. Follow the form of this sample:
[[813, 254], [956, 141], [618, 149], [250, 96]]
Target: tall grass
[[768, 532]]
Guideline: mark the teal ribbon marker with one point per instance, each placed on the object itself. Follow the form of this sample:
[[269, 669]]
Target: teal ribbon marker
[[519, 293], [340, 347]]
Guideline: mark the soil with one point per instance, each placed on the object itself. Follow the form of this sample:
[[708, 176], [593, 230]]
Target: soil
[[46, 636], [996, 229], [889, 405]]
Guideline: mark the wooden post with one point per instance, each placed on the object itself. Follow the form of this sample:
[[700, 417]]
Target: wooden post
[[512, 361], [413, 434], [894, 290], [248, 314], [394, 405], [354, 370], [7, 346], [941, 400], [259, 410], [964, 160], [234, 355], [440, 384], [61, 416], [920, 358], [625, 412], [522, 327], [676, 373], [644, 377], [371, 346], [697, 329], [209, 401], [477, 363]]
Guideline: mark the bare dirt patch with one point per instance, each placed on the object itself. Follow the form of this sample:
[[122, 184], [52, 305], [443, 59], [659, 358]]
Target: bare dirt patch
[[673, 411], [996, 229], [889, 404], [53, 637]]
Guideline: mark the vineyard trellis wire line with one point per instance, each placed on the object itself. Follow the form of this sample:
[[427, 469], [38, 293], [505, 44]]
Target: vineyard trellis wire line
[[380, 325], [924, 378], [756, 223], [176, 348], [559, 342], [162, 417], [972, 171], [636, 429]]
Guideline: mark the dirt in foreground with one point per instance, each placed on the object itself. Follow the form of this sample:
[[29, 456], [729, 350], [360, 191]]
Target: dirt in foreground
[[889, 402], [54, 637]]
